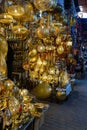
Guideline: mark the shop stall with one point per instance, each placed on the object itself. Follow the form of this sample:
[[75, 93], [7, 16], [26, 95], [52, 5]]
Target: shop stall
[[35, 49]]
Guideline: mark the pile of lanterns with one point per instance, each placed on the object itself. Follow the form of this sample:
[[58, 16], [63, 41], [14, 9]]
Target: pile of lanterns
[[44, 24]]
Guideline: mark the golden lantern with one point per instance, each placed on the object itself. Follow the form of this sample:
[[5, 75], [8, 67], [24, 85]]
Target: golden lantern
[[44, 63], [24, 92], [36, 68], [50, 47], [5, 18], [42, 32], [42, 90], [33, 52], [41, 48], [25, 66], [9, 84], [56, 78], [51, 70], [57, 28], [57, 71], [33, 74], [44, 76], [39, 62], [69, 43], [63, 78], [41, 69], [17, 11], [49, 78], [20, 30], [58, 40], [28, 15], [45, 5], [60, 49], [33, 59], [14, 105]]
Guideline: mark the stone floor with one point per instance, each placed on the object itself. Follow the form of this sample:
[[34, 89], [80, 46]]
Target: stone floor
[[71, 114]]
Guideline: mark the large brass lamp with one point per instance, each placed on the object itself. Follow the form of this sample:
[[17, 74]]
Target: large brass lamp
[[42, 90]]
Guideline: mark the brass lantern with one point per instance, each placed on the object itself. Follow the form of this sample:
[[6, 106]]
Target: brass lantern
[[42, 32], [51, 70], [29, 12], [41, 48], [58, 40], [44, 5], [9, 84], [60, 49], [5, 18], [17, 11], [20, 31], [32, 52]]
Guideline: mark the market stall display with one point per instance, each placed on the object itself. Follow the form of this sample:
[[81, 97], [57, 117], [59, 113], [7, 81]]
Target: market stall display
[[41, 43], [18, 108]]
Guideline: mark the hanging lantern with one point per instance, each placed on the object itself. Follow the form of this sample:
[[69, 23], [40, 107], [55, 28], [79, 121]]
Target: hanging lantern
[[50, 48], [19, 29], [42, 32], [69, 43], [39, 62], [44, 63], [17, 11], [9, 84], [36, 68], [33, 59], [29, 12], [41, 48], [44, 5], [49, 78], [5, 18], [32, 52], [33, 75], [25, 66], [56, 78], [41, 69], [58, 40], [14, 106], [60, 49], [51, 70], [24, 92]]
